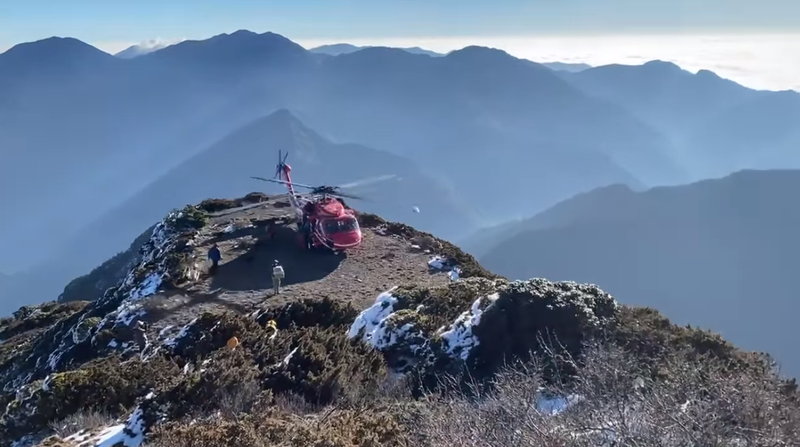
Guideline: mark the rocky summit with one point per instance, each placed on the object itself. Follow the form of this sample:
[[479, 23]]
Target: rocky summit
[[404, 341]]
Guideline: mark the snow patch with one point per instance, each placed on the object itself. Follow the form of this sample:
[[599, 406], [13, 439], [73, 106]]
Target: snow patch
[[459, 338], [130, 434], [25, 441], [438, 263], [369, 319], [172, 342], [454, 274], [553, 405], [147, 287], [46, 383], [288, 358], [385, 336]]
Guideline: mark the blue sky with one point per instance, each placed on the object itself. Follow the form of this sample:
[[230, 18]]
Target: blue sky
[[124, 21]]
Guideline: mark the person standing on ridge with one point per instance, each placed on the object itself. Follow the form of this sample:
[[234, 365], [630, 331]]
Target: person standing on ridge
[[214, 256], [306, 230], [277, 275], [140, 337]]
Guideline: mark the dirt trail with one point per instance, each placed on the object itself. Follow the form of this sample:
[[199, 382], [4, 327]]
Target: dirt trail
[[243, 280]]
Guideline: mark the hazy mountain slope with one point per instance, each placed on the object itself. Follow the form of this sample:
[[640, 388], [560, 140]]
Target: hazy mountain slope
[[4, 283], [759, 133], [717, 126], [225, 169], [566, 66], [731, 242], [144, 115], [514, 118], [666, 96], [591, 204]]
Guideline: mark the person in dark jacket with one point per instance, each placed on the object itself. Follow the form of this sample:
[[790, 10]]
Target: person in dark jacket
[[214, 256]]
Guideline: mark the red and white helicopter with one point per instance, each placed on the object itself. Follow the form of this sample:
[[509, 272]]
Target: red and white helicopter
[[323, 219]]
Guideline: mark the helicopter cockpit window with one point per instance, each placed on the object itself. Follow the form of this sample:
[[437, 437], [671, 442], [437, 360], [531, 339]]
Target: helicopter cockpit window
[[336, 226]]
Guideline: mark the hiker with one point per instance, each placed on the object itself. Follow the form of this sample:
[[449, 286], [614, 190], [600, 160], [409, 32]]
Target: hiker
[[277, 275], [140, 336], [214, 256], [271, 231], [306, 230]]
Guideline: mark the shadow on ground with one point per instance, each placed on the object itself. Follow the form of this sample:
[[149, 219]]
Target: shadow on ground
[[174, 301], [252, 270]]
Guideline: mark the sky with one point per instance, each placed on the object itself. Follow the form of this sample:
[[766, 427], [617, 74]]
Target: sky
[[754, 41]]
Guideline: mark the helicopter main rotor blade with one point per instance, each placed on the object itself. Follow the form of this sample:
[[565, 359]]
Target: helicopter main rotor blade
[[367, 181], [347, 196], [271, 180], [282, 182]]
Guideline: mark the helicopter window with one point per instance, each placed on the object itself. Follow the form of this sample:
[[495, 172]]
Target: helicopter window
[[336, 226]]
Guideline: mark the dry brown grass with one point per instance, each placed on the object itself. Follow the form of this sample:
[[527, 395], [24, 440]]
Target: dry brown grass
[[697, 406], [83, 421], [617, 406]]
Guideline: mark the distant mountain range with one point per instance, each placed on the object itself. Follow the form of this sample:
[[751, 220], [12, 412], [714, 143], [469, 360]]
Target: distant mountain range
[[83, 133], [343, 48], [715, 126], [718, 253], [337, 49]]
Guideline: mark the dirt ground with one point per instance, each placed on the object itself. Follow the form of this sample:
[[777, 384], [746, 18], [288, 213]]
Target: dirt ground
[[243, 280]]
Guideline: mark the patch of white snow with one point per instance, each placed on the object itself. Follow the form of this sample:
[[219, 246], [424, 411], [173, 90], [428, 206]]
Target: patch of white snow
[[184, 330], [454, 274], [459, 337], [369, 319], [288, 358], [385, 336], [130, 434], [46, 383], [147, 287], [437, 263]]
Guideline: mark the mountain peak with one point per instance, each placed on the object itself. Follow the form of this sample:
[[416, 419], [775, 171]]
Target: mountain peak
[[473, 51], [664, 67], [52, 47], [242, 46], [52, 54]]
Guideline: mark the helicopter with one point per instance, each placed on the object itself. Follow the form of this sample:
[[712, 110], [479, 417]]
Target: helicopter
[[324, 221]]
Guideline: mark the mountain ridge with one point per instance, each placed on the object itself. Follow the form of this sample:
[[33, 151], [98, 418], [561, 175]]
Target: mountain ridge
[[309, 346]]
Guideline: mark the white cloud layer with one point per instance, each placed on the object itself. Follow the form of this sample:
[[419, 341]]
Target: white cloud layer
[[757, 61]]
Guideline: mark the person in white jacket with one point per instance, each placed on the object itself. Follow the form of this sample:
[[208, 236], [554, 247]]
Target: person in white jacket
[[277, 275]]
